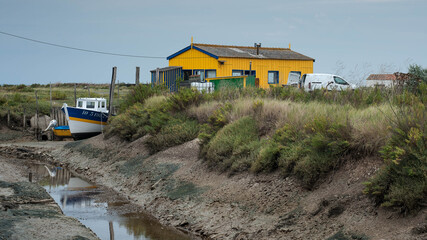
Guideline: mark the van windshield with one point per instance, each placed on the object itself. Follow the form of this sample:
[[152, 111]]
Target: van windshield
[[339, 80]]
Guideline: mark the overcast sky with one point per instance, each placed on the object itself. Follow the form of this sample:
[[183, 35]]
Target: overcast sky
[[350, 37]]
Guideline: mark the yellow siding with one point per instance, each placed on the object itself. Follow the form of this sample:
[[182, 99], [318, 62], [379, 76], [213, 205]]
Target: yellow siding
[[193, 59]]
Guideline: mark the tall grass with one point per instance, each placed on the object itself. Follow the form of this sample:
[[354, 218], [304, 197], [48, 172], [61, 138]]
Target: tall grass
[[297, 133]]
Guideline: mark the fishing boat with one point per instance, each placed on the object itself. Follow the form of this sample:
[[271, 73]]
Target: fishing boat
[[88, 118], [61, 132]]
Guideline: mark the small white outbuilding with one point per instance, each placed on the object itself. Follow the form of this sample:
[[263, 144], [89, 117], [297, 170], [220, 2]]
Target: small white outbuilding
[[381, 80]]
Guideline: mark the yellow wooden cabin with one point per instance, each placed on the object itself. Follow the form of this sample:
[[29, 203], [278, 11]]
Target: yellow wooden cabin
[[272, 66]]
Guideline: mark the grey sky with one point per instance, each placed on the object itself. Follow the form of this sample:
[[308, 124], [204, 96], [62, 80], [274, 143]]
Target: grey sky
[[349, 37]]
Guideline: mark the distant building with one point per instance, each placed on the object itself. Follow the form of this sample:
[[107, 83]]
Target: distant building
[[381, 80], [272, 66]]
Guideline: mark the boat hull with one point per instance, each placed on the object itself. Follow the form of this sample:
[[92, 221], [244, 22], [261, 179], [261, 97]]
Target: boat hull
[[85, 123]]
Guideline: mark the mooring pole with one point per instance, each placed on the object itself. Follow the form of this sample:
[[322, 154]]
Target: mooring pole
[[75, 94], [110, 226], [137, 76], [50, 93], [37, 116], [113, 81]]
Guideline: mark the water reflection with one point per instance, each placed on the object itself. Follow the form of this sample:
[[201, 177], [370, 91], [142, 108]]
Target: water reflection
[[83, 200]]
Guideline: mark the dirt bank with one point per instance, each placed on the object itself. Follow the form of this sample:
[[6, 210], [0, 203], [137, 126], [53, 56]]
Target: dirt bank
[[177, 188], [28, 212]]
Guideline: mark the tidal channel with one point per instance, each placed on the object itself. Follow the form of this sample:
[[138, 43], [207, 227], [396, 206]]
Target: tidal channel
[[107, 214]]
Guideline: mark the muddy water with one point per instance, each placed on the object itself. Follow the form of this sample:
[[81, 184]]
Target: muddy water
[[109, 216]]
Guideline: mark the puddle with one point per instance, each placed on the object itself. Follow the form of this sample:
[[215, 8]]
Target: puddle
[[109, 217]]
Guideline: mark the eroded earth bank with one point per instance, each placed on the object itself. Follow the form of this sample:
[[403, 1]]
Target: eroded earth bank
[[177, 188]]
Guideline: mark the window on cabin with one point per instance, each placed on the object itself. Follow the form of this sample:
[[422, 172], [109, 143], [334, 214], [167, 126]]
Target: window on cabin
[[199, 72], [187, 74], [210, 73], [236, 72], [250, 73], [102, 104], [273, 77], [90, 104], [79, 104]]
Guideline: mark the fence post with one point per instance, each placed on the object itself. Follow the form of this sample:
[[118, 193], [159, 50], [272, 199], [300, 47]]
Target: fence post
[[8, 117], [24, 124], [137, 76], [37, 117], [75, 94]]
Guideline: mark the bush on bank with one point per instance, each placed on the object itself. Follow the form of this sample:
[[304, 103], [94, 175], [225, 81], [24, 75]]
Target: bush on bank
[[402, 181], [306, 135], [235, 146]]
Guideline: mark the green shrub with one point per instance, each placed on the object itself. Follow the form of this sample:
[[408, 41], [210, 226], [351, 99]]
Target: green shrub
[[267, 158], [327, 143], [185, 98], [128, 125], [18, 98], [176, 131], [3, 100], [216, 121], [234, 143], [402, 182], [58, 95], [139, 94], [309, 154], [140, 119]]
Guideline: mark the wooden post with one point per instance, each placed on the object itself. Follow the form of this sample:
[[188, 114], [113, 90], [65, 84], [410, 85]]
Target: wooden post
[[37, 117], [8, 117], [54, 115], [110, 226], [75, 94], [64, 119], [24, 124], [50, 94], [137, 76], [30, 177], [88, 90], [113, 81], [157, 75]]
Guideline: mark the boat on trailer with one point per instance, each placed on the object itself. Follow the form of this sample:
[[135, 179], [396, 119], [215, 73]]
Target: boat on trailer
[[88, 118]]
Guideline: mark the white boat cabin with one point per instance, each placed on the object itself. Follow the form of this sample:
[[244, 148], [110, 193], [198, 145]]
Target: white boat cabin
[[95, 104]]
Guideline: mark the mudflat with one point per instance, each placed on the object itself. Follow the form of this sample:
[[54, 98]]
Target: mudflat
[[28, 212]]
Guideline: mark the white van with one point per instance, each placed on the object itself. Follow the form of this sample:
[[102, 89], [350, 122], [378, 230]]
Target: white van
[[312, 81]]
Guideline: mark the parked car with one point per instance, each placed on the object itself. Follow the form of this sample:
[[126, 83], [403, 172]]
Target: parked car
[[312, 81]]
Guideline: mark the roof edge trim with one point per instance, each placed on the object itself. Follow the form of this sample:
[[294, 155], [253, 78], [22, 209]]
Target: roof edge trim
[[188, 48]]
